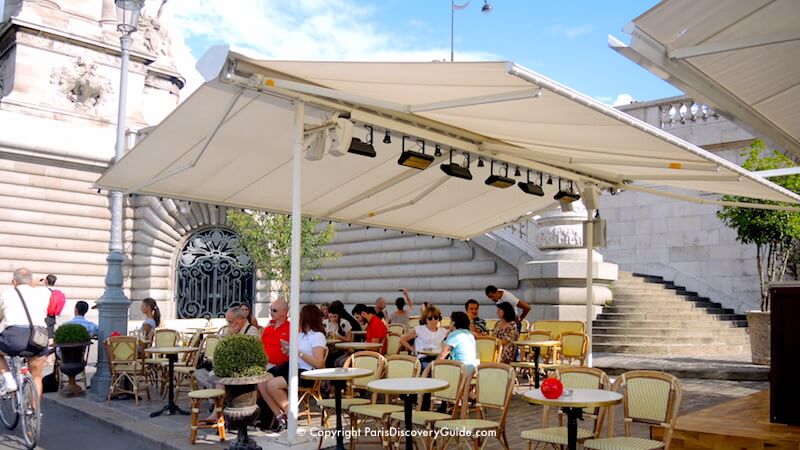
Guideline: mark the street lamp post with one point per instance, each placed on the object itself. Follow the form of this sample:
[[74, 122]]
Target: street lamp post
[[113, 305], [486, 9]]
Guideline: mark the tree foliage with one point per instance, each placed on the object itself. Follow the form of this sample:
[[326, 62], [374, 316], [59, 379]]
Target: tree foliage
[[267, 238], [774, 233]]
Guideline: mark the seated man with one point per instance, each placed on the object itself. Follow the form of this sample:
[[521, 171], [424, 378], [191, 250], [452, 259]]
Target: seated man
[[376, 329], [15, 328], [81, 308], [477, 325]]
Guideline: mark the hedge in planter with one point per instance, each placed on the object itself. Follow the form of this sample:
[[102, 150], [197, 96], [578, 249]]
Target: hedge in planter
[[71, 333], [239, 356]]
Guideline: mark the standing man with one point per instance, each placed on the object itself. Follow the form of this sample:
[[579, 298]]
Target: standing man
[[380, 306], [56, 304], [15, 329], [499, 296], [477, 325], [376, 329]]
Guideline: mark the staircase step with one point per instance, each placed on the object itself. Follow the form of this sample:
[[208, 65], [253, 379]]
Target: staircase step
[[669, 340], [666, 295], [684, 324], [666, 308], [682, 350], [645, 302], [699, 316], [668, 332]]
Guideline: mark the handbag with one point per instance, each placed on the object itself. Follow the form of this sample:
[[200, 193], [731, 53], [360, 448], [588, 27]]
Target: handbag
[[39, 339]]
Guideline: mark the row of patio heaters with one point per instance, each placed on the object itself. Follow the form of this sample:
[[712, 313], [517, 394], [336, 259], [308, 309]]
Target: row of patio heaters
[[414, 156]]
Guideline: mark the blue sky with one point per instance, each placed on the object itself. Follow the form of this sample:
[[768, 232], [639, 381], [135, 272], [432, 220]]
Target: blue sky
[[565, 41]]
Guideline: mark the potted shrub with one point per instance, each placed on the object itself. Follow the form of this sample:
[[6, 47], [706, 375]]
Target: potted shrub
[[72, 343], [240, 364], [775, 234]]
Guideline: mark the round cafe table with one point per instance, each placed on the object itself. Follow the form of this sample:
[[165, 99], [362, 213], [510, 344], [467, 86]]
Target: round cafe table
[[430, 352], [573, 405], [338, 377], [537, 350], [172, 356], [358, 345], [407, 388]]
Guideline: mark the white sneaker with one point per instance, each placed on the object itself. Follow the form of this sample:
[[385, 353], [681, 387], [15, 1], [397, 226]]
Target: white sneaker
[[7, 385]]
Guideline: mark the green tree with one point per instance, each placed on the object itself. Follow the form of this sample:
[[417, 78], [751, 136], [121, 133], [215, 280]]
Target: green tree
[[267, 239], [774, 233]]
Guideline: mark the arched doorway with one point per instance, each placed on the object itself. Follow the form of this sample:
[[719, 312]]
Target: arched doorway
[[212, 273]]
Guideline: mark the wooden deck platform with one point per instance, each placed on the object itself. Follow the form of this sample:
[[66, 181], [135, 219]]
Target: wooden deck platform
[[738, 424]]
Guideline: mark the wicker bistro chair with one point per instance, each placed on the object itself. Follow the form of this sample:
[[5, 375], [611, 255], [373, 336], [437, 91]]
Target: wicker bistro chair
[[397, 366], [574, 347], [197, 397], [307, 393], [572, 378], [491, 324], [649, 397], [363, 360], [495, 382], [526, 365], [455, 373], [393, 344], [125, 363], [397, 328], [156, 364], [488, 348]]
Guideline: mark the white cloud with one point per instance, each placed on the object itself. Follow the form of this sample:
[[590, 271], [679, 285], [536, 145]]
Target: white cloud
[[301, 29], [623, 99], [569, 32]]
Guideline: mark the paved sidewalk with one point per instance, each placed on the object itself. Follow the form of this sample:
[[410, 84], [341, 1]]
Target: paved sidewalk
[[737, 367], [172, 432]]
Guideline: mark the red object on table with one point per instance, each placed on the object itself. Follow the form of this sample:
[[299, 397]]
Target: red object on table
[[552, 388], [114, 334]]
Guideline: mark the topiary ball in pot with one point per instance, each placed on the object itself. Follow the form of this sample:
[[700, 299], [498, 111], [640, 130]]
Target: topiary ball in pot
[[239, 356], [71, 333]]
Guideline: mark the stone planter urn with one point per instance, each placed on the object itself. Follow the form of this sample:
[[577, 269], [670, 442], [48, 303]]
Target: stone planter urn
[[72, 363], [241, 409], [758, 325]]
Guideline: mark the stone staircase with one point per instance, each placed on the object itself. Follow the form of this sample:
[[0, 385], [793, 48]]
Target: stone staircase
[[652, 316]]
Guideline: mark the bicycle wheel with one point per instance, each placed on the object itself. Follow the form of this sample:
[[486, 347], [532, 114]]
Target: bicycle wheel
[[31, 415], [8, 410]]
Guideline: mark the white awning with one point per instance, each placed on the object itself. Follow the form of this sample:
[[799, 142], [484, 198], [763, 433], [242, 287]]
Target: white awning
[[230, 143], [740, 56]]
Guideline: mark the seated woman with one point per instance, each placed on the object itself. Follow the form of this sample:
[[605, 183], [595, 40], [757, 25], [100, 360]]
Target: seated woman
[[460, 343], [340, 329], [506, 332], [152, 317], [311, 350], [401, 315], [426, 337]]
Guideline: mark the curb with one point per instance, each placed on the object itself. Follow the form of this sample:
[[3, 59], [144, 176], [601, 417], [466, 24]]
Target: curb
[[143, 435]]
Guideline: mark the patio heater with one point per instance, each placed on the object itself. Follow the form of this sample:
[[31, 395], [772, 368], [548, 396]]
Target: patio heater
[[113, 305]]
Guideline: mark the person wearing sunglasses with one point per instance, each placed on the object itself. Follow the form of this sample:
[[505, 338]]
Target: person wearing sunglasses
[[275, 337], [427, 337]]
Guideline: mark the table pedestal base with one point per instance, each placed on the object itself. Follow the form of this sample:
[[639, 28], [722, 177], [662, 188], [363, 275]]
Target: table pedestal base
[[573, 415], [338, 387], [408, 403], [171, 407]]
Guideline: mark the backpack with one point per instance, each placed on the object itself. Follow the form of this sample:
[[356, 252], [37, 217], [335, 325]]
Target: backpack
[[57, 301]]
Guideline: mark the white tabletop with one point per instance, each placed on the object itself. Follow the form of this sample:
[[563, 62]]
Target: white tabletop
[[529, 343], [430, 351], [170, 350], [359, 332], [580, 398], [407, 385], [337, 373], [358, 345]]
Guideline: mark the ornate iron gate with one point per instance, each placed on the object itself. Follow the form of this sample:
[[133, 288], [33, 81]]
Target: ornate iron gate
[[212, 274]]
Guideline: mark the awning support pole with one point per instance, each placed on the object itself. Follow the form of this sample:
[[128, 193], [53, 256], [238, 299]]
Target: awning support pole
[[294, 284], [589, 239]]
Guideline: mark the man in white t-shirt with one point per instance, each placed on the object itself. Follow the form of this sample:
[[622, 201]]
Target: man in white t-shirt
[[15, 329], [500, 296]]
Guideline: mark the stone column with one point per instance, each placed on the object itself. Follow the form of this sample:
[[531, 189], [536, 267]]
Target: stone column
[[555, 284]]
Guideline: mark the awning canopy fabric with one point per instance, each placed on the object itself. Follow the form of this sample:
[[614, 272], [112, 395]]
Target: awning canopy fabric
[[230, 143], [740, 56]]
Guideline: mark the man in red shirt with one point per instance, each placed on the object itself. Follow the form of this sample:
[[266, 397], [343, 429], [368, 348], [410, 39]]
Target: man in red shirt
[[376, 329], [57, 301], [275, 337]]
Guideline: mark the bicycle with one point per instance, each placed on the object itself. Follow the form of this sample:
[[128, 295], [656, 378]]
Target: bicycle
[[24, 401]]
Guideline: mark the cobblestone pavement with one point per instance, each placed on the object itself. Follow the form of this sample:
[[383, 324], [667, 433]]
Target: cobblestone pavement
[[717, 367]]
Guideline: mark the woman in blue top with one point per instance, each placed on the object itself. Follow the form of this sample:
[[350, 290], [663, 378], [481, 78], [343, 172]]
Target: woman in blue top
[[460, 343]]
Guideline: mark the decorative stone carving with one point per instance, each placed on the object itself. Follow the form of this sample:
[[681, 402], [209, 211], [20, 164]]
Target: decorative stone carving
[[170, 85], [156, 37], [561, 229], [81, 84]]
